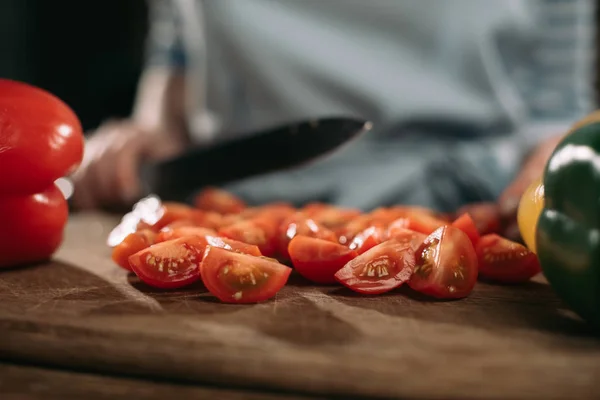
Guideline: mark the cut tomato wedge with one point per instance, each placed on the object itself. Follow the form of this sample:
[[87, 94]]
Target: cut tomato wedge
[[240, 278], [486, 217], [334, 217], [423, 222], [378, 270], [411, 238], [218, 200], [300, 225], [318, 260], [168, 265], [368, 239], [446, 265], [505, 261], [134, 242], [466, 224], [168, 233], [259, 231]]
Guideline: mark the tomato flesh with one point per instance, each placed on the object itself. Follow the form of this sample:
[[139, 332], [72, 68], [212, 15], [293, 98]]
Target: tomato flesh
[[168, 265], [133, 243], [378, 270], [218, 200], [258, 231], [168, 233], [300, 225], [368, 239], [446, 265], [466, 224], [411, 238], [31, 227], [486, 217], [318, 260], [505, 261], [241, 278]]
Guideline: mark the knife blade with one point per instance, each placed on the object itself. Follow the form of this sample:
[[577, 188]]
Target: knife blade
[[275, 149]]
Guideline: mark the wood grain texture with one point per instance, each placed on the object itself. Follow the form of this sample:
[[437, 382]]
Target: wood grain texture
[[19, 382], [502, 342]]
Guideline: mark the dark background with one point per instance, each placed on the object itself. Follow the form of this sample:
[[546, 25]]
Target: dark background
[[89, 53]]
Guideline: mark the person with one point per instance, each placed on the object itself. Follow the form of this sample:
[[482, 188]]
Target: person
[[460, 93]]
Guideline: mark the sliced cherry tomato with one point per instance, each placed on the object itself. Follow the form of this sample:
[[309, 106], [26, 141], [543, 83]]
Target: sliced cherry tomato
[[41, 139], [446, 265], [423, 222], [347, 232], [240, 278], [485, 215], [300, 225], [166, 214], [318, 260], [505, 261], [413, 239], [168, 233], [169, 265], [465, 223], [259, 231], [31, 227], [334, 217], [218, 200], [368, 239], [133, 243], [378, 270]]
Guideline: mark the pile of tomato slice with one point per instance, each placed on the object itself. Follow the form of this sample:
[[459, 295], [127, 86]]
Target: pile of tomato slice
[[245, 254]]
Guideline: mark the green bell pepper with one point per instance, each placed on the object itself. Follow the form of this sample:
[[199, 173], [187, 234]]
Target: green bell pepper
[[568, 229]]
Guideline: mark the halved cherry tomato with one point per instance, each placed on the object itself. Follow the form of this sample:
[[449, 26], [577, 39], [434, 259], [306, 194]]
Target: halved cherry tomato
[[423, 222], [485, 215], [413, 239], [168, 265], [240, 278], [133, 243], [446, 265], [346, 233], [31, 227], [300, 225], [465, 223], [167, 213], [318, 260], [168, 233], [368, 239], [378, 270], [259, 231], [334, 217], [41, 139], [503, 260], [218, 200]]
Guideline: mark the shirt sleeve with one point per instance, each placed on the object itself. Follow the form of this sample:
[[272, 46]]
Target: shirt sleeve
[[559, 87], [164, 43]]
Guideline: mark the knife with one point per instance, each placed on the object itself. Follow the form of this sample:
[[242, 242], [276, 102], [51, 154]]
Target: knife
[[272, 150], [275, 149]]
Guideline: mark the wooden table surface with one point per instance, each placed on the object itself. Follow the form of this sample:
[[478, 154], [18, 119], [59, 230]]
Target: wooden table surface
[[81, 325]]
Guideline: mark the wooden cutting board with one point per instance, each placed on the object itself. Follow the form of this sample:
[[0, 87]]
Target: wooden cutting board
[[82, 312]]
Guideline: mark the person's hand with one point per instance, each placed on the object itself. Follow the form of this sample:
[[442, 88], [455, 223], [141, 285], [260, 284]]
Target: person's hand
[[109, 173], [532, 169]]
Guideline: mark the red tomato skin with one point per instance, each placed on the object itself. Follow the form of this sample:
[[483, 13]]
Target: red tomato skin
[[368, 239], [486, 217], [504, 261], [406, 236], [466, 224], [402, 257], [168, 265], [41, 138], [168, 233], [318, 260], [133, 243], [259, 231], [449, 244], [219, 200], [300, 225], [31, 226], [214, 262], [423, 222]]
